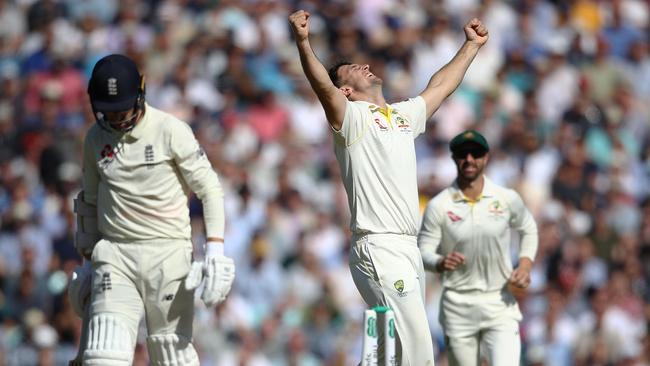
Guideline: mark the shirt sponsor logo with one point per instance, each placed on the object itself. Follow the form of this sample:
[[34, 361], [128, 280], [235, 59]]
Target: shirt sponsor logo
[[381, 126], [107, 155], [453, 217]]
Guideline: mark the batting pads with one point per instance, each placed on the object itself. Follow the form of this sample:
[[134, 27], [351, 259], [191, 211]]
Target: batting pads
[[171, 350], [109, 342], [87, 233]]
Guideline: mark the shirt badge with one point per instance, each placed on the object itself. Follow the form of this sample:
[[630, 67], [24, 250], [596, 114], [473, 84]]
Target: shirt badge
[[495, 208]]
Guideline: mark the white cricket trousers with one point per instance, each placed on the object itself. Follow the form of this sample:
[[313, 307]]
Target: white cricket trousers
[[133, 278], [388, 271], [476, 319]]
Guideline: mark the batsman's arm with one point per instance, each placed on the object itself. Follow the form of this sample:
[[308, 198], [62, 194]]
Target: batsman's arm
[[85, 204], [197, 172], [447, 79], [90, 177], [429, 238], [331, 98]]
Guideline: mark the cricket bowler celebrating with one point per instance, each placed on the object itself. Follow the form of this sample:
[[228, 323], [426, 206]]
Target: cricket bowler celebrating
[[375, 150], [139, 165], [465, 235]]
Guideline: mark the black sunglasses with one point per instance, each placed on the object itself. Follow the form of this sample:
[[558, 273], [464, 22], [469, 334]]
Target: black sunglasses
[[476, 153]]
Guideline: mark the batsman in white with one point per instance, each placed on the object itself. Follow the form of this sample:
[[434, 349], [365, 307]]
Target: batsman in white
[[465, 235], [139, 165], [376, 154]]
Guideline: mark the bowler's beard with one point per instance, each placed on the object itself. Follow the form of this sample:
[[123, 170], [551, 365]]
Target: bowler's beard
[[470, 176]]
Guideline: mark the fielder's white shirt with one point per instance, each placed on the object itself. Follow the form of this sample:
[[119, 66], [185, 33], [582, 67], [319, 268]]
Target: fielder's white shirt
[[140, 180], [480, 230], [376, 155]]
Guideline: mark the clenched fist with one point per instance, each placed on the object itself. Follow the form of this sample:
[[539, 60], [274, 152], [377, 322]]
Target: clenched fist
[[476, 32], [450, 262], [299, 21]]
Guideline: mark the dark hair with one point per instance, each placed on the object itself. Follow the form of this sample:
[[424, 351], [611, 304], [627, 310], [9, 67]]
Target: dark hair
[[333, 72]]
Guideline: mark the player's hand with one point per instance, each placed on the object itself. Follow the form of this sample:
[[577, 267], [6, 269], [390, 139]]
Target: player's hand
[[520, 277], [476, 32], [451, 261], [79, 287], [217, 273], [299, 21]]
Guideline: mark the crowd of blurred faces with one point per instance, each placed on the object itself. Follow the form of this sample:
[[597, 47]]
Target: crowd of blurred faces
[[561, 91]]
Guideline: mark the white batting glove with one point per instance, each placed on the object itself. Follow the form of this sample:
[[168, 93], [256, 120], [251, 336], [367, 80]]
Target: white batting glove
[[216, 272], [79, 287]]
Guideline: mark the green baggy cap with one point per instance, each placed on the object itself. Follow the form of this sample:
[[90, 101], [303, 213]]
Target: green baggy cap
[[468, 136]]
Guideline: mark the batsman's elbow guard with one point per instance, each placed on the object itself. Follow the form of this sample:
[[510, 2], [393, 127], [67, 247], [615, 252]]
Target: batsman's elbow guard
[[79, 288], [87, 234]]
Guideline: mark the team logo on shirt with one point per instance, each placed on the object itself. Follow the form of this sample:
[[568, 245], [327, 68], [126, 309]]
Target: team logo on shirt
[[148, 156], [402, 124], [495, 208], [453, 217], [399, 286]]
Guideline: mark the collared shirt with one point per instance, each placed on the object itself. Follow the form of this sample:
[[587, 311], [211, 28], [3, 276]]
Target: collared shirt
[[140, 180], [376, 155], [480, 230]]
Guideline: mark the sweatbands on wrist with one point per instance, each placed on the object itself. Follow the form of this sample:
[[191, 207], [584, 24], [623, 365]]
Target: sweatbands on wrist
[[213, 249]]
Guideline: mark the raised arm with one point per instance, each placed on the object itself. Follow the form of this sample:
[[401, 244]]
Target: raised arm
[[332, 99], [447, 79]]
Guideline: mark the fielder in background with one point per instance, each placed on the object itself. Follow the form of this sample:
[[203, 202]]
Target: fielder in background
[[375, 151], [465, 235], [139, 164]]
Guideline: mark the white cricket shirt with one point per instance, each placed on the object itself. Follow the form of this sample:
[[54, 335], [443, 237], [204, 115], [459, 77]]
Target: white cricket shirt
[[376, 155], [480, 230], [140, 180]]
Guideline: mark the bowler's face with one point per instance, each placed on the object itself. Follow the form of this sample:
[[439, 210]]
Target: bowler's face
[[359, 77], [470, 160]]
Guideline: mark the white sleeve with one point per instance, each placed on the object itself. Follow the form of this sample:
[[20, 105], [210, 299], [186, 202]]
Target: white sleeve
[[353, 126], [430, 236], [522, 221], [197, 172], [415, 110]]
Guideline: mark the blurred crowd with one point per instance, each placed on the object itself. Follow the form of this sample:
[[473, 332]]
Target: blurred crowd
[[561, 91]]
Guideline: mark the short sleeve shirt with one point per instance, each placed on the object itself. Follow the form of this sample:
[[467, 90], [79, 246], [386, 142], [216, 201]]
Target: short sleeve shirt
[[376, 154]]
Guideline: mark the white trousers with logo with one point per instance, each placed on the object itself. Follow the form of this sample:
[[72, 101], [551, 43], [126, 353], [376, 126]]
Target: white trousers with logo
[[476, 321], [388, 271], [130, 279]]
